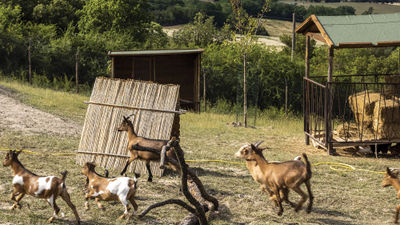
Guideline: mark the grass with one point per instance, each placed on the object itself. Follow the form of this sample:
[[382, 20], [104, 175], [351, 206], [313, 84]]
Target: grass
[[340, 197], [360, 7]]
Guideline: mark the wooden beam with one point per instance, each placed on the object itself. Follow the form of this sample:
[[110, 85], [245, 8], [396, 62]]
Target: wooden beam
[[328, 40], [328, 105], [132, 107], [305, 91], [317, 36], [355, 44]]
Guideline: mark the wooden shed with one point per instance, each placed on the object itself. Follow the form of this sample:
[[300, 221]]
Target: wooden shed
[[351, 109], [180, 67]]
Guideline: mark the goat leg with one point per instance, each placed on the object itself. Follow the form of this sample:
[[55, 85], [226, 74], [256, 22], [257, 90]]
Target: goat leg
[[150, 179], [125, 168], [311, 196], [279, 200], [99, 204], [52, 202], [396, 218], [65, 196]]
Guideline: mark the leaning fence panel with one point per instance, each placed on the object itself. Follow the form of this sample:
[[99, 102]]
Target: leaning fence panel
[[154, 106]]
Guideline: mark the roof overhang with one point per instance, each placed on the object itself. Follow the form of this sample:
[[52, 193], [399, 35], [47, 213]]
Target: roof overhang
[[360, 31], [155, 52]]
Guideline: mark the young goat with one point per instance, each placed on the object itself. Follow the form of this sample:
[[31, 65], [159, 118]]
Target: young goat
[[121, 189], [146, 156], [390, 179], [277, 177], [26, 182]]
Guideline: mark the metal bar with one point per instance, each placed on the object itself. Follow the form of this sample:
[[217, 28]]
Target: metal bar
[[355, 75], [132, 107]]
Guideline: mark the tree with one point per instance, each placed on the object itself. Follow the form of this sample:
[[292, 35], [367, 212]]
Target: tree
[[119, 16], [246, 26]]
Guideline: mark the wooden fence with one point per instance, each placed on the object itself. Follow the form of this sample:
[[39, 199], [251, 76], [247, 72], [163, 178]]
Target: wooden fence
[[154, 106]]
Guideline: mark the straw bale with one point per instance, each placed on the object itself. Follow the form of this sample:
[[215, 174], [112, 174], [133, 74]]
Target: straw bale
[[99, 134], [387, 119], [353, 131], [392, 87], [364, 103]]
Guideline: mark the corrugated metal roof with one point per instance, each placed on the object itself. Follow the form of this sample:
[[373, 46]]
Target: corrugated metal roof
[[354, 31], [155, 52]]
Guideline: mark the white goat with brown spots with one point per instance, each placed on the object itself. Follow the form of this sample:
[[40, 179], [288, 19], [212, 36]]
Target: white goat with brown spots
[[26, 182], [121, 189]]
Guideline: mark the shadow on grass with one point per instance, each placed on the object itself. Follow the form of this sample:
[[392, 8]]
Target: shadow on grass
[[204, 172], [332, 221]]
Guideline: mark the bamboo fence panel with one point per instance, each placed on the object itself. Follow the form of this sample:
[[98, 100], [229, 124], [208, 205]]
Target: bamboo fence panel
[[102, 143]]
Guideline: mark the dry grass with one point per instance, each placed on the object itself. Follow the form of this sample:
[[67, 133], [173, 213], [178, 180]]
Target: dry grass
[[340, 197]]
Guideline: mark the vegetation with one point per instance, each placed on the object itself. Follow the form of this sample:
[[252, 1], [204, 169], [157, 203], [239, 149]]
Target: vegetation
[[95, 27], [240, 198]]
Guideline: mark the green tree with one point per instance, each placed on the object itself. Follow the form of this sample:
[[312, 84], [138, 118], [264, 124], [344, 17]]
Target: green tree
[[119, 16], [200, 33]]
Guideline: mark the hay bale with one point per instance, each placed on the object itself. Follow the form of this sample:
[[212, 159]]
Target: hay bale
[[387, 119], [392, 87], [364, 103], [354, 132]]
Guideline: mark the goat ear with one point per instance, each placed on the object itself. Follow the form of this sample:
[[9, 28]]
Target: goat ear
[[395, 174], [262, 149], [388, 171], [125, 118], [253, 147], [17, 152]]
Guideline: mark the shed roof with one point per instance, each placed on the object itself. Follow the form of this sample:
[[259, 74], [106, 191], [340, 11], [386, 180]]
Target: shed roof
[[354, 31], [156, 52]]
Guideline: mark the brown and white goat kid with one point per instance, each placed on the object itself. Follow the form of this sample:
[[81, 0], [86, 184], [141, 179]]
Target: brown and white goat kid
[[391, 179], [146, 156], [26, 182], [276, 178], [121, 189]]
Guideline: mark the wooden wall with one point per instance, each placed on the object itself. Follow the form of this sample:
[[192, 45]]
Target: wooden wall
[[183, 69]]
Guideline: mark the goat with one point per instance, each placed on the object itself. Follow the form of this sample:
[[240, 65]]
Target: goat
[[26, 182], [146, 156], [391, 179], [110, 189], [277, 177]]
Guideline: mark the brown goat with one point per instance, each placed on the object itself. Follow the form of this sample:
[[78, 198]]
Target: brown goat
[[391, 179], [146, 156], [26, 182], [121, 189], [277, 177]]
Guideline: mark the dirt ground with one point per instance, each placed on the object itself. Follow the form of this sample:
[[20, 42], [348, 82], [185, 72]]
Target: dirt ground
[[19, 117]]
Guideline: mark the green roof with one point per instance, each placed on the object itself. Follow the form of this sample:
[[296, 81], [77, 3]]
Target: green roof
[[355, 30], [155, 52]]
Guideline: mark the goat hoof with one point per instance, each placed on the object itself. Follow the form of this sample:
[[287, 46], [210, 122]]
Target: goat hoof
[[280, 213], [150, 179], [308, 210], [50, 220], [122, 217]]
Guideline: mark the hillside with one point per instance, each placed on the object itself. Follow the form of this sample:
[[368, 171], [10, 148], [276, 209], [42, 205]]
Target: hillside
[[360, 7]]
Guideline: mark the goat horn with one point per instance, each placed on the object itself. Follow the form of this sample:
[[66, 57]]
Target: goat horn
[[130, 115], [258, 143]]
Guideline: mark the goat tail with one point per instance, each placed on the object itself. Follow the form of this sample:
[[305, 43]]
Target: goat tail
[[308, 166], [64, 176]]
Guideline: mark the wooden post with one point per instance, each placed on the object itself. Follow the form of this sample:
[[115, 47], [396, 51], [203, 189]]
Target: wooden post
[[77, 70], [244, 91], [305, 93], [286, 96], [293, 36], [328, 112], [204, 91], [29, 61], [112, 67]]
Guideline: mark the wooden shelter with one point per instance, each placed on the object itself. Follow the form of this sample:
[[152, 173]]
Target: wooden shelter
[[156, 116], [165, 67], [330, 98]]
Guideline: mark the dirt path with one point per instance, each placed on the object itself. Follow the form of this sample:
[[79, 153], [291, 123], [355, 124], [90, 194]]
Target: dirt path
[[16, 116]]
